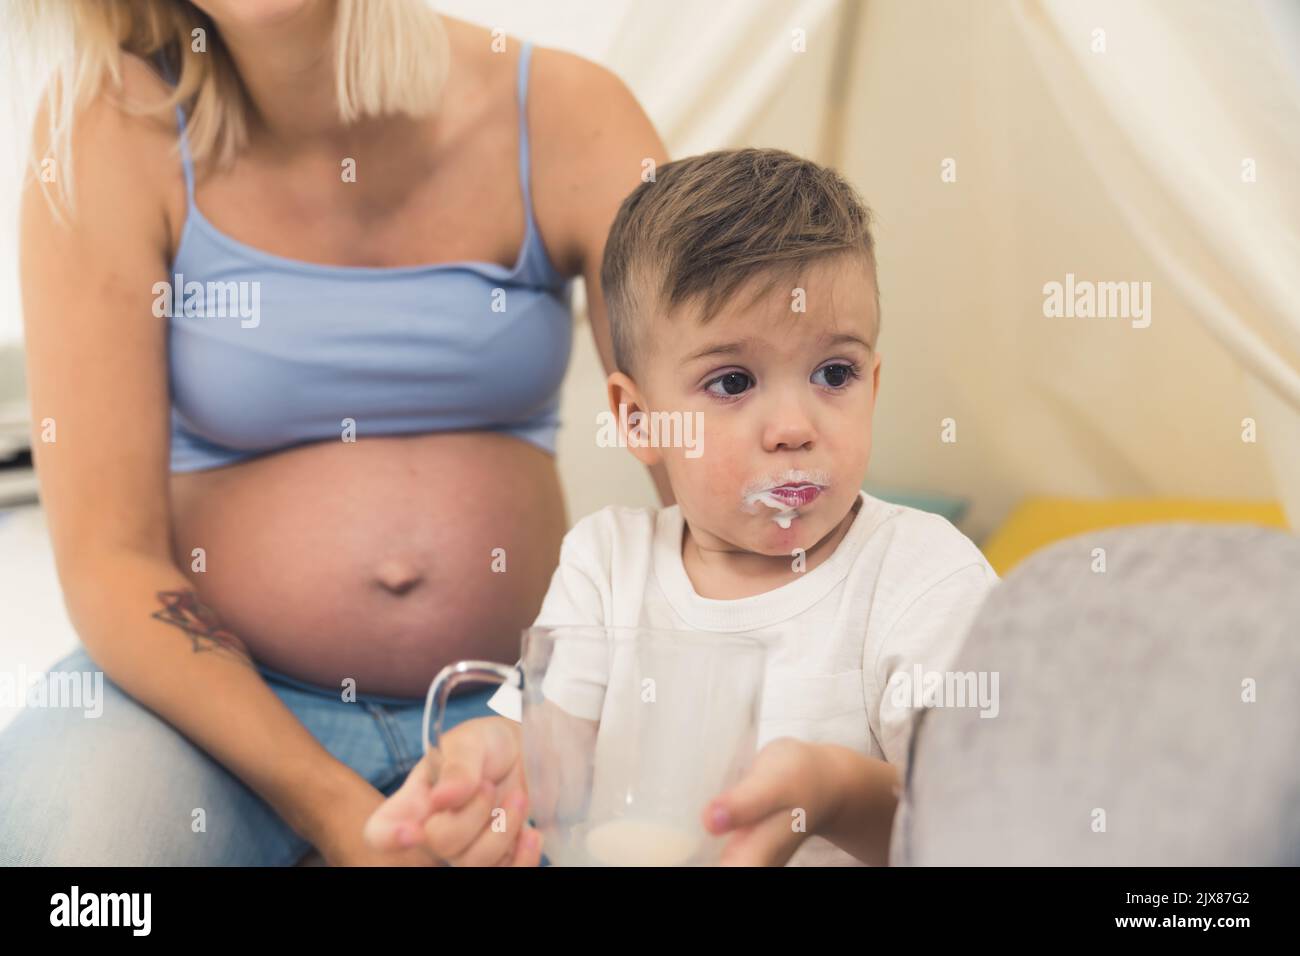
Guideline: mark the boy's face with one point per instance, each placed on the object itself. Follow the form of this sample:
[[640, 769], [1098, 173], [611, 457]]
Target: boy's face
[[784, 397]]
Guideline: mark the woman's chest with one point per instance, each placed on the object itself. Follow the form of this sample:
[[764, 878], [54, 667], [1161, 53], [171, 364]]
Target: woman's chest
[[434, 196], [310, 355]]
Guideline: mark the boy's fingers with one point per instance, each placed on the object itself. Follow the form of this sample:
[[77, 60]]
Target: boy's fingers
[[450, 833], [471, 753], [457, 786], [771, 785], [528, 848], [769, 843], [494, 847], [753, 799]]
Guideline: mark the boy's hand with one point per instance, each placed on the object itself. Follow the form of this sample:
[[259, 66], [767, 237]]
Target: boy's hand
[[453, 799], [775, 807]]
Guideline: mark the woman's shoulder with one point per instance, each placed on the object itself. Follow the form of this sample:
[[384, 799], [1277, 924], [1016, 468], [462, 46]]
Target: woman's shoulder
[[120, 151], [558, 80], [569, 72], [578, 97], [115, 125], [590, 138], [120, 111]]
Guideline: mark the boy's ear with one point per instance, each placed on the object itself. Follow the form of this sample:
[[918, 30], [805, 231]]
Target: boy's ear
[[875, 379], [630, 410]]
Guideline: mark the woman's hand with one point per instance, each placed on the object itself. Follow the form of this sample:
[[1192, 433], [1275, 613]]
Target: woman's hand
[[465, 805], [341, 840]]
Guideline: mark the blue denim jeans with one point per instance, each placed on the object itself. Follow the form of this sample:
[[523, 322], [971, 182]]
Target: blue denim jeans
[[121, 789]]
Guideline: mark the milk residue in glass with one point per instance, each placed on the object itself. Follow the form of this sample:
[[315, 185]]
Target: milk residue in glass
[[629, 842]]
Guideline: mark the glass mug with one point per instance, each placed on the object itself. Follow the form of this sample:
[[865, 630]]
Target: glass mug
[[628, 733]]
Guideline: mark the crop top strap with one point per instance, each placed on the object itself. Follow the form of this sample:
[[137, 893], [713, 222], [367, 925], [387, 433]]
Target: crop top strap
[[524, 54], [186, 162]]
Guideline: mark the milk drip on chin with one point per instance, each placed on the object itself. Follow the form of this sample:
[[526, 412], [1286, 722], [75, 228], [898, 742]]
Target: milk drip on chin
[[786, 513]]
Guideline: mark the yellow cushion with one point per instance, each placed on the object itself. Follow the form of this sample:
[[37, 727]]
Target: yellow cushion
[[1037, 522]]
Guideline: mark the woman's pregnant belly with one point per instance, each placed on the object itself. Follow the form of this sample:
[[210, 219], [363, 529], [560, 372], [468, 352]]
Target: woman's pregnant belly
[[381, 560]]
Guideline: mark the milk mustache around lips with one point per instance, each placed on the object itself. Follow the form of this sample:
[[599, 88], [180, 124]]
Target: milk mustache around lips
[[785, 494]]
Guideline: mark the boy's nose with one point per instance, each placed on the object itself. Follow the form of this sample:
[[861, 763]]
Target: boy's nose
[[791, 430]]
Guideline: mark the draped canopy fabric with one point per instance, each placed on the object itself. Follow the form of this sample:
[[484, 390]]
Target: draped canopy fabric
[[1196, 133], [1006, 147]]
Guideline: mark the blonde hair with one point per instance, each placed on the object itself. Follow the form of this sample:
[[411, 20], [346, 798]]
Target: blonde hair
[[389, 57]]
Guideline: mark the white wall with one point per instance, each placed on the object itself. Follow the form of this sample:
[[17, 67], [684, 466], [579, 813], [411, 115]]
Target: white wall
[[18, 95]]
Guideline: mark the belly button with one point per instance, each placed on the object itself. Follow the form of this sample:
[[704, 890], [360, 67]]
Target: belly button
[[398, 576]]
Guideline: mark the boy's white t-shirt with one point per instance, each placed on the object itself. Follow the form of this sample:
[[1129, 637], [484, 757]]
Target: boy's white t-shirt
[[899, 593]]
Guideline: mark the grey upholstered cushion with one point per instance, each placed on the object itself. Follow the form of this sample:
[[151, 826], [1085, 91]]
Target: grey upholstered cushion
[[1122, 692]]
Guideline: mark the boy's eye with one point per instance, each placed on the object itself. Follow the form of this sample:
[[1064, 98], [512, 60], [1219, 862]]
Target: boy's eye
[[837, 375], [732, 383]]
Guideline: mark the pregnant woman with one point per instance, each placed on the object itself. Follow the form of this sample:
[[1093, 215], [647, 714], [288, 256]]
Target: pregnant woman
[[294, 396]]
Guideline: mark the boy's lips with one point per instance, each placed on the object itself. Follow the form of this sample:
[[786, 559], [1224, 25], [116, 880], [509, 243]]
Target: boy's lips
[[796, 494]]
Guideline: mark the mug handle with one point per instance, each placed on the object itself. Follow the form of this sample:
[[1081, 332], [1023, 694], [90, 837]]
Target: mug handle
[[451, 676]]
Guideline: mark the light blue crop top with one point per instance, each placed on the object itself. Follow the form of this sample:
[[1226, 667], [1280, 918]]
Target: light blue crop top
[[460, 345]]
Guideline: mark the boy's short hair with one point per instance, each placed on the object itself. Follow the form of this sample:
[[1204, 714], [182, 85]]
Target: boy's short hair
[[708, 224]]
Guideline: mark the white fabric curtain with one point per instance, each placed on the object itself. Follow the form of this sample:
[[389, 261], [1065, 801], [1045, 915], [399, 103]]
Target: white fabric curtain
[[1119, 165], [1190, 112], [1122, 165], [1115, 165]]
